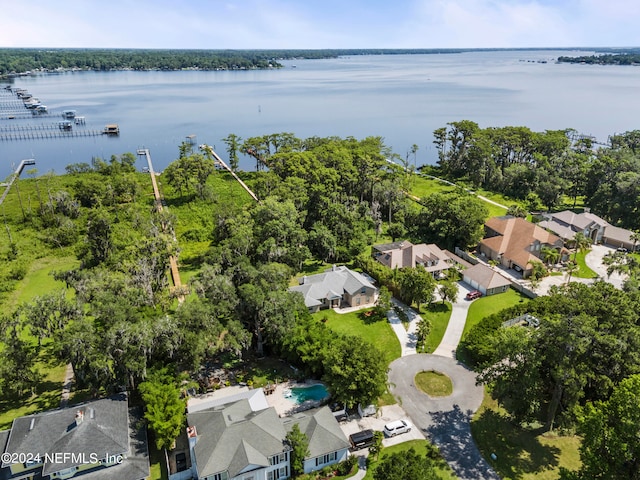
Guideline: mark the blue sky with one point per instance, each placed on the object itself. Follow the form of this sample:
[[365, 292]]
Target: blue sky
[[241, 24]]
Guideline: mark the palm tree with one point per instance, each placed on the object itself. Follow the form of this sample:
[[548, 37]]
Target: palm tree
[[635, 236], [582, 243], [550, 255], [572, 267]]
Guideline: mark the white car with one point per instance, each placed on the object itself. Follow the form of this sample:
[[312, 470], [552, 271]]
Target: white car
[[396, 428]]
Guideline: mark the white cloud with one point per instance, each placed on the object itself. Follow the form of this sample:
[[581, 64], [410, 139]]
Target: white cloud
[[319, 24]]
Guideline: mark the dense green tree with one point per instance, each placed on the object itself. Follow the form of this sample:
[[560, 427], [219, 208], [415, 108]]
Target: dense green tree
[[417, 285], [355, 371], [233, 143], [299, 445], [189, 173], [450, 220], [423, 331], [611, 447], [164, 409], [449, 291], [405, 465], [48, 314]]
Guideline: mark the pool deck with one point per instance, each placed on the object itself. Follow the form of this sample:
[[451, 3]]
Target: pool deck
[[284, 406]]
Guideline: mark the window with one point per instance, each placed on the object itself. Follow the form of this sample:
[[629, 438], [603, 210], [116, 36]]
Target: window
[[282, 472], [276, 459], [220, 476], [329, 457], [363, 291]]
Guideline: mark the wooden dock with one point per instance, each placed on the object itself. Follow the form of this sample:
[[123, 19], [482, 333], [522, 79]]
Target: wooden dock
[[39, 134], [159, 203], [15, 175], [209, 150]]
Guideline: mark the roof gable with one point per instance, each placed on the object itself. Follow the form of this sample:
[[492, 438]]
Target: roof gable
[[104, 430]]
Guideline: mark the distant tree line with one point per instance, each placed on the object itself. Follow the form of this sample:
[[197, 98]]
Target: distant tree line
[[608, 59], [16, 60]]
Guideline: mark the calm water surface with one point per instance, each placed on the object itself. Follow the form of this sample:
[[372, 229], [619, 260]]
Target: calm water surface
[[402, 98]]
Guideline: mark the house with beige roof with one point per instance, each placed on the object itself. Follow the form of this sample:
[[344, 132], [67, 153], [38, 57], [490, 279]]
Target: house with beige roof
[[403, 254], [516, 243], [485, 279]]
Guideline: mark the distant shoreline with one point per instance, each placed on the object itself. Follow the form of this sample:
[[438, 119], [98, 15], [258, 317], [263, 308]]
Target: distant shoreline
[[18, 62]]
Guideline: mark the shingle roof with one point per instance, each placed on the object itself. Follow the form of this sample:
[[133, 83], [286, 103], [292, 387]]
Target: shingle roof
[[322, 430], [618, 234], [486, 276], [232, 437], [330, 284], [105, 429], [515, 237]]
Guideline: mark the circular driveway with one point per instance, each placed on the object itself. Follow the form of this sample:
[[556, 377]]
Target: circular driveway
[[444, 420]]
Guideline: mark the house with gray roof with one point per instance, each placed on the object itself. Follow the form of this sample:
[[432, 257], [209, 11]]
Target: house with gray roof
[[98, 440], [327, 443], [566, 224], [236, 442], [336, 287]]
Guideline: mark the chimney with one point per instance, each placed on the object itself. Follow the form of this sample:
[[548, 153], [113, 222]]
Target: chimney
[[192, 435], [303, 280], [79, 417], [333, 268]]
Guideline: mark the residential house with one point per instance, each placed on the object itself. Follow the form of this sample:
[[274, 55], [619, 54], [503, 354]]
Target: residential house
[[328, 444], [485, 279], [336, 287], [241, 441], [566, 224], [516, 243], [98, 440], [405, 254], [619, 238]]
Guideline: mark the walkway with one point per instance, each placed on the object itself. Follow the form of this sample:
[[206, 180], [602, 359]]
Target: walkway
[[481, 197], [407, 337], [159, 201], [593, 259], [455, 327], [66, 386]]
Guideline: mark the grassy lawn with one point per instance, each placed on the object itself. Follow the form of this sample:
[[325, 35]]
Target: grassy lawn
[[378, 333], [439, 315], [583, 271], [46, 395], [523, 454], [434, 384], [420, 446], [157, 462], [422, 186], [485, 306]]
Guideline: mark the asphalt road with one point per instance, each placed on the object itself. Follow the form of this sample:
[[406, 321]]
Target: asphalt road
[[444, 420]]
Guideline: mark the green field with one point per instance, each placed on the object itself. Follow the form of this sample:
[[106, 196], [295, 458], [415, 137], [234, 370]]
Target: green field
[[521, 453], [378, 333], [434, 384], [583, 270], [485, 306], [439, 315]]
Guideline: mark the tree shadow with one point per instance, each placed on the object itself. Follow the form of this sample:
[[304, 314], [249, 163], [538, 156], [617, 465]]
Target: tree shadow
[[518, 450], [451, 432]]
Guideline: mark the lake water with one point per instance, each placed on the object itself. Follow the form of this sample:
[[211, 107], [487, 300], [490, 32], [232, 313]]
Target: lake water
[[402, 98]]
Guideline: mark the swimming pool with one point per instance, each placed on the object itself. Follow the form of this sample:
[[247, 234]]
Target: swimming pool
[[316, 392]]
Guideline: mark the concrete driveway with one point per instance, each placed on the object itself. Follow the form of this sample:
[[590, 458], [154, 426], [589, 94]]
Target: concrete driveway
[[444, 420], [593, 259], [455, 327]]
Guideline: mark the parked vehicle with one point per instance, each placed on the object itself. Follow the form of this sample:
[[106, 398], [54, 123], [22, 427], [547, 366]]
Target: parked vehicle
[[474, 294], [396, 428], [360, 440]]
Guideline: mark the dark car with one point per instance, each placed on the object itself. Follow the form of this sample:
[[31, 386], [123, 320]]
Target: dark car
[[360, 440], [474, 294]]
